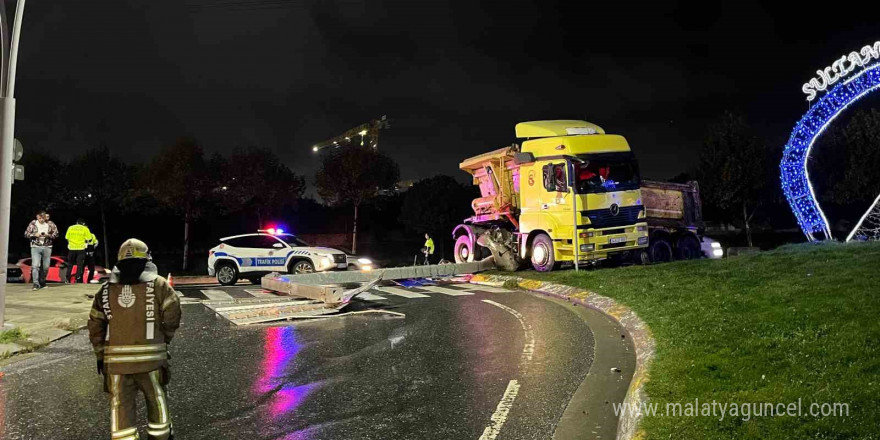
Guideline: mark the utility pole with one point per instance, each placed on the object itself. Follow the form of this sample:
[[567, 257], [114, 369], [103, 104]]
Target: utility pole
[[7, 134]]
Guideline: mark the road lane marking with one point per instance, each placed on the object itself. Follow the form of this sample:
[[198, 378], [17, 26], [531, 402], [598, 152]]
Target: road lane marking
[[402, 292], [260, 293], [500, 415], [491, 289], [369, 296], [217, 295], [447, 291], [529, 347]]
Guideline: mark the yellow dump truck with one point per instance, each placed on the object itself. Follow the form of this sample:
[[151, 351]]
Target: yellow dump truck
[[572, 194]]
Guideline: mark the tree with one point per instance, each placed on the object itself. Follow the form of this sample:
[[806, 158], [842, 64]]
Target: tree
[[42, 188], [734, 169], [351, 175], [97, 179], [43, 185], [436, 205], [254, 178], [179, 179], [860, 182]]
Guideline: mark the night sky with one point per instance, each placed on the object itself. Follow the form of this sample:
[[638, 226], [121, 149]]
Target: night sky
[[454, 77]]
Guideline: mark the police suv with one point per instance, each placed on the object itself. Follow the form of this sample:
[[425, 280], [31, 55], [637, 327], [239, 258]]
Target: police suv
[[251, 256]]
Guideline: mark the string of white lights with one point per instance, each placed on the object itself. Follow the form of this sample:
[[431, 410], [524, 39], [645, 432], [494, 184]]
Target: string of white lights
[[793, 168]]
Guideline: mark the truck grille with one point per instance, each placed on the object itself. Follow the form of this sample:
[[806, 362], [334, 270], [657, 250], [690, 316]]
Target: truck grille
[[613, 245], [602, 218], [338, 258]]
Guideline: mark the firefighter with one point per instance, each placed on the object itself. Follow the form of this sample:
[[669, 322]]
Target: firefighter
[[133, 318]]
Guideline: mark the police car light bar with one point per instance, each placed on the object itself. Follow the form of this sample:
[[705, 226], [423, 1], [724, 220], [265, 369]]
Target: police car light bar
[[272, 231]]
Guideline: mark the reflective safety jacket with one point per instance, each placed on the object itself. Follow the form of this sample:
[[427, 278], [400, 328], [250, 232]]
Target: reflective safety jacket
[[429, 243], [130, 326], [77, 236]]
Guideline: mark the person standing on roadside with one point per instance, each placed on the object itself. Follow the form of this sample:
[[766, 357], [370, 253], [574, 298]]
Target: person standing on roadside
[[91, 245], [77, 236], [132, 321], [428, 249], [40, 232]]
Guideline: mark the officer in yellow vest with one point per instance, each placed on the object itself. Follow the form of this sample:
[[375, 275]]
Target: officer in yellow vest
[[77, 236], [428, 249], [133, 318]]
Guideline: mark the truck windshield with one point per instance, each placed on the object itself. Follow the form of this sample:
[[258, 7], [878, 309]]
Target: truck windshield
[[607, 172]]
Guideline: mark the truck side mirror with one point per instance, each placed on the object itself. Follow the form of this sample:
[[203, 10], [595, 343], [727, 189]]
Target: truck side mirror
[[523, 158]]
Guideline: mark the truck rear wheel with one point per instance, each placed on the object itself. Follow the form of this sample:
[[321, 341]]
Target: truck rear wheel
[[543, 257], [465, 250], [687, 247], [660, 251]]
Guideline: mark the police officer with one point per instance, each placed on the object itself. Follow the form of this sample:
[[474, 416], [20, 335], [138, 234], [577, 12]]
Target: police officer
[[77, 237], [133, 318], [428, 248]]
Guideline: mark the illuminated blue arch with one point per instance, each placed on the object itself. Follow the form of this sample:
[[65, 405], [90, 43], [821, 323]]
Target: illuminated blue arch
[[793, 168]]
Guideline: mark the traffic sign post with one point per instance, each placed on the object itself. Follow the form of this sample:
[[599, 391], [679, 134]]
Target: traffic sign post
[[8, 148]]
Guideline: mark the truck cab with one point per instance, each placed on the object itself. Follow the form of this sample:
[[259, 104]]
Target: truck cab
[[569, 193], [581, 192]]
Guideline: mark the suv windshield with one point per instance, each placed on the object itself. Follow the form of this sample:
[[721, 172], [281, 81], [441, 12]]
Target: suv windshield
[[292, 240], [607, 172]]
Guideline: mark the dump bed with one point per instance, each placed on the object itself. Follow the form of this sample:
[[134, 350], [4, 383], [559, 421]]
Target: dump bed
[[672, 205], [497, 175]]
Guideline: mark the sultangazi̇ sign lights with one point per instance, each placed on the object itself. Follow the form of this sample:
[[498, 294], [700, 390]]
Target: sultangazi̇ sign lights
[[840, 68], [793, 168]]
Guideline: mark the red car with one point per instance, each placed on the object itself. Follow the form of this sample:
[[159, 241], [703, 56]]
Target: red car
[[54, 274]]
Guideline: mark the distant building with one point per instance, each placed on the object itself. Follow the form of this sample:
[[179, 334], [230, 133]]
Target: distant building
[[399, 188]]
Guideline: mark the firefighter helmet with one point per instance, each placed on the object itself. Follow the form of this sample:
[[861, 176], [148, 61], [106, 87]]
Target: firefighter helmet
[[133, 248]]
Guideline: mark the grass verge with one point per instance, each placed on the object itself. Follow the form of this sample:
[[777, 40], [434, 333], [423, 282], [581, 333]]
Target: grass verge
[[797, 324], [13, 335]]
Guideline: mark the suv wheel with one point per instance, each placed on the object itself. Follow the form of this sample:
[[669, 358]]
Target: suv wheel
[[227, 274], [301, 267]]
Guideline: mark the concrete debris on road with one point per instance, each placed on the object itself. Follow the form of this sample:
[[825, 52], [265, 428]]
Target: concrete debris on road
[[325, 301]]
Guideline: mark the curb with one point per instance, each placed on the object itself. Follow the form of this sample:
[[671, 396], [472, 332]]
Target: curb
[[39, 339], [642, 339]]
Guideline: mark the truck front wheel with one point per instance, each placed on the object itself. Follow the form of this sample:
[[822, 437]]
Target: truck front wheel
[[464, 250], [543, 257]]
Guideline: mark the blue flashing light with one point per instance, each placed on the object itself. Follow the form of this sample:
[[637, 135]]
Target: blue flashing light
[[793, 167]]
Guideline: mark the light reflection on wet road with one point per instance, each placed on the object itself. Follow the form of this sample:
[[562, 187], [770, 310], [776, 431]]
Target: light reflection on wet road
[[438, 373]]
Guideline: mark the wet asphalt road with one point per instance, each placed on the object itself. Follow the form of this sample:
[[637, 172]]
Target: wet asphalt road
[[438, 373]]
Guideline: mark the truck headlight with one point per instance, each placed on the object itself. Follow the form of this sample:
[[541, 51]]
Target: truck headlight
[[364, 261], [643, 241], [642, 228], [716, 245], [325, 261], [587, 247], [718, 252]]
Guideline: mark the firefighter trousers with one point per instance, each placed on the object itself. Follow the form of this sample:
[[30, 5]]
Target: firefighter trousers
[[123, 390]]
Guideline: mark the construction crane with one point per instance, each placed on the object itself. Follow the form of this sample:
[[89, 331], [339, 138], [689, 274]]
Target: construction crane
[[366, 134]]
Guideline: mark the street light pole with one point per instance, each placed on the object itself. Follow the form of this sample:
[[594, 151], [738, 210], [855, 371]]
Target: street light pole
[[7, 136]]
